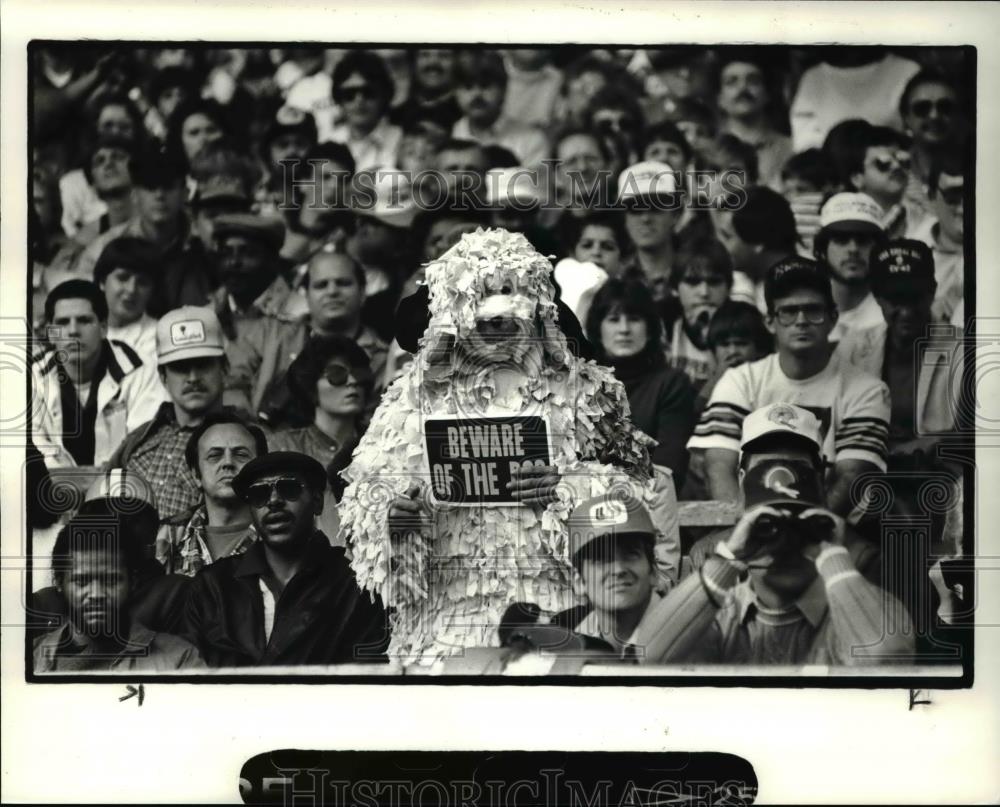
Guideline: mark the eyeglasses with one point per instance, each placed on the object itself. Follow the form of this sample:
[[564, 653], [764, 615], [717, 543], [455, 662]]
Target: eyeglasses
[[259, 493], [347, 94], [944, 106], [952, 196], [338, 375], [814, 313], [884, 165]]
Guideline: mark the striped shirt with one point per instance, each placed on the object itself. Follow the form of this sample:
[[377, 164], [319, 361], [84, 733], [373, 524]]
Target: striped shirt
[[852, 408]]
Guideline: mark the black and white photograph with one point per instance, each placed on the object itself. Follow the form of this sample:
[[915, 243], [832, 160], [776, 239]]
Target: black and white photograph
[[355, 362]]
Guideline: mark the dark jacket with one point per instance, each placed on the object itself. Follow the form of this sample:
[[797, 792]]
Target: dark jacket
[[662, 403], [321, 617]]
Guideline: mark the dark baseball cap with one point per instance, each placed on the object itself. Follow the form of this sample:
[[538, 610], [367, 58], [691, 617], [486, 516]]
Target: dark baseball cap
[[903, 268], [276, 462], [157, 169], [793, 484], [795, 273]]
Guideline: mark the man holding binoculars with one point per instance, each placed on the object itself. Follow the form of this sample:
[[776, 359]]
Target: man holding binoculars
[[782, 588]]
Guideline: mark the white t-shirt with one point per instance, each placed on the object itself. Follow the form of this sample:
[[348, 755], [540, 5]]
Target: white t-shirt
[[140, 336], [867, 314], [828, 95], [852, 407]]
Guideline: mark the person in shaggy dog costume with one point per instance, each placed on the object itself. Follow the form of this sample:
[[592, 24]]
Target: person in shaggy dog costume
[[492, 348]]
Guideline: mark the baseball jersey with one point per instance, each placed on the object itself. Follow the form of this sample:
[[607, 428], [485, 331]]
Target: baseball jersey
[[852, 407]]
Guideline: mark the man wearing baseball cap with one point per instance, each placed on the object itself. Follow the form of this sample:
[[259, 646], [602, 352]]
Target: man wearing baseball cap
[[290, 598], [192, 363], [853, 407], [925, 403], [850, 230], [611, 544], [651, 196], [803, 599], [248, 248]]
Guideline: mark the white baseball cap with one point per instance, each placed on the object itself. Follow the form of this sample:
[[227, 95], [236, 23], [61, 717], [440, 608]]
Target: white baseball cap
[[781, 418], [648, 178], [188, 332], [851, 212]]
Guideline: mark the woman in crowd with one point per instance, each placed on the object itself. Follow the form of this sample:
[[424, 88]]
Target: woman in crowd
[[332, 381], [624, 325]]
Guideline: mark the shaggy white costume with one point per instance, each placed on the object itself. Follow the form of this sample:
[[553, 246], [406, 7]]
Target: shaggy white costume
[[450, 587]]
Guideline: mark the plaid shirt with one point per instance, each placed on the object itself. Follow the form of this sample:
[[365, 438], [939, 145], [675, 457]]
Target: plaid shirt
[[181, 545], [159, 459]]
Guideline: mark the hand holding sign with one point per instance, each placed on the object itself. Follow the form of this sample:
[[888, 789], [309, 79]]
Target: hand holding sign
[[406, 515], [535, 486]]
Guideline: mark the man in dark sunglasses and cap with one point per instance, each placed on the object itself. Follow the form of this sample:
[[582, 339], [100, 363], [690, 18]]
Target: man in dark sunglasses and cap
[[291, 598]]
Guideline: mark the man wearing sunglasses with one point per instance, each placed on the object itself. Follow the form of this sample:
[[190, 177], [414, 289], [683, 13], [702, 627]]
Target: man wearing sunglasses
[[879, 166], [480, 90], [944, 233], [933, 118], [291, 598], [802, 598], [850, 229], [852, 407], [363, 89]]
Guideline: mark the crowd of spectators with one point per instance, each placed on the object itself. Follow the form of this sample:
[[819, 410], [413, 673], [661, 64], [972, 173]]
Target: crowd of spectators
[[227, 258]]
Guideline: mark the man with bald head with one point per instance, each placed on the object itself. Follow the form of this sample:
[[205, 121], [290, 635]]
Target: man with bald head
[[335, 293]]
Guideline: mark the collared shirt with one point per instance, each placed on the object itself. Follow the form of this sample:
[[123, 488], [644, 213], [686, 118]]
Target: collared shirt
[[591, 625], [840, 619], [145, 651], [159, 459], [181, 547], [320, 616], [529, 145], [377, 149], [278, 300]]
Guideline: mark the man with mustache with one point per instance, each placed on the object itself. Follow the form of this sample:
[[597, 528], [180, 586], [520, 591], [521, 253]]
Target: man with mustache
[[192, 363], [743, 96], [850, 231], [650, 194], [432, 93], [220, 526], [481, 91], [934, 117], [291, 598], [88, 391]]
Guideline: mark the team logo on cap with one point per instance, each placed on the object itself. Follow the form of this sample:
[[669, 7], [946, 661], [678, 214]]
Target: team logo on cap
[[290, 116], [609, 512], [780, 479], [782, 415], [187, 332]]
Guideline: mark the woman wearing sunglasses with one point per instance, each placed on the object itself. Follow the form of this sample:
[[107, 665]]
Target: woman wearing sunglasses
[[331, 379]]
